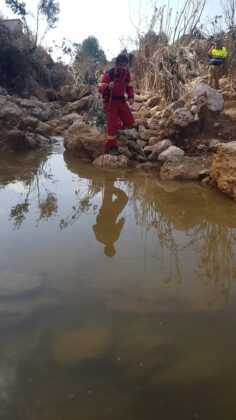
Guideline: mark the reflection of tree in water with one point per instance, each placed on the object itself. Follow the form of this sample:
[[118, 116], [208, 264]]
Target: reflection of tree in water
[[148, 215], [215, 246], [36, 190], [18, 212], [83, 205], [201, 214]]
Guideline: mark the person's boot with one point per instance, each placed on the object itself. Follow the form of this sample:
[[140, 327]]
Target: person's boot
[[112, 150]]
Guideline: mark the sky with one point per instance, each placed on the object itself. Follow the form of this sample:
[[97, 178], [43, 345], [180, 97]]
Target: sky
[[112, 23]]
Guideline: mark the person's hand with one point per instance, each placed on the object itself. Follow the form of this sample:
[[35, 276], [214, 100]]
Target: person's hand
[[111, 85], [131, 101]]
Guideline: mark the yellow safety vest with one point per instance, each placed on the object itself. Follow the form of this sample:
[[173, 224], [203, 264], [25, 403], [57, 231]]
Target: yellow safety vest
[[222, 52]]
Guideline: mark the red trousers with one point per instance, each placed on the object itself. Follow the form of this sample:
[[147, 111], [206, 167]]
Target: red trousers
[[118, 116]]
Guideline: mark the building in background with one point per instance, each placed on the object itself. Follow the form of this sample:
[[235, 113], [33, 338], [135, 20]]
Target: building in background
[[14, 26]]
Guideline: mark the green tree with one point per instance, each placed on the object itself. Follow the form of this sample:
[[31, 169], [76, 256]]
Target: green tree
[[90, 49], [17, 7]]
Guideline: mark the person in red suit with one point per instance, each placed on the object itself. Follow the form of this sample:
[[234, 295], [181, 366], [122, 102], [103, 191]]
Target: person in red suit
[[117, 82]]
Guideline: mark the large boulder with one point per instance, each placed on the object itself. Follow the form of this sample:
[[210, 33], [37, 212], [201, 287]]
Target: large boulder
[[201, 92], [81, 105], [33, 103], [83, 140], [69, 93], [185, 113], [158, 148], [10, 114], [60, 125], [171, 153], [223, 170], [186, 168]]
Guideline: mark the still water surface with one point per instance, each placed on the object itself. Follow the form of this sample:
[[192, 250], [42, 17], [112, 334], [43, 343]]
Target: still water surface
[[117, 294]]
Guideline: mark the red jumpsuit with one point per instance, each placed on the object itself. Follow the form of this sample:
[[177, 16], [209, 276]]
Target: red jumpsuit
[[118, 114]]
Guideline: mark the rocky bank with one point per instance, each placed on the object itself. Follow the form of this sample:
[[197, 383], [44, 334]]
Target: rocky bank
[[192, 138]]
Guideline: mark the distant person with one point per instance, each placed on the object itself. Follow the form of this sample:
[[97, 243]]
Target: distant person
[[107, 229], [116, 82], [217, 56]]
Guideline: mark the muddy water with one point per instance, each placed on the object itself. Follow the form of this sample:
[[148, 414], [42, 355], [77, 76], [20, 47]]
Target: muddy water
[[117, 294]]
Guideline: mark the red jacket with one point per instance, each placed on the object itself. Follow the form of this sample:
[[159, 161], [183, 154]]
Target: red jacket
[[122, 84]]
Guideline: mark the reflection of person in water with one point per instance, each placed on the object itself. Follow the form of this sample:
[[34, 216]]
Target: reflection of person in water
[[107, 230]]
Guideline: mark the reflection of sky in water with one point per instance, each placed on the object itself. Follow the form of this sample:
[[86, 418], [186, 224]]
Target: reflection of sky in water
[[17, 187], [152, 243], [157, 317]]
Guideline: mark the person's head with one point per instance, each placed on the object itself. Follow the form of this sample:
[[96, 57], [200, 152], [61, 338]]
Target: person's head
[[218, 43], [109, 250], [122, 61]]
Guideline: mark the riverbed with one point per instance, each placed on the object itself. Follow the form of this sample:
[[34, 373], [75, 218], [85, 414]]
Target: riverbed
[[117, 294]]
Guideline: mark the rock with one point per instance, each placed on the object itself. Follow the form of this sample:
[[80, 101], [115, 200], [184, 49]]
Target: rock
[[109, 161], [154, 122], [41, 115], [154, 140], [141, 143], [140, 98], [136, 106], [140, 121], [14, 284], [3, 100], [213, 99], [51, 95], [131, 134], [186, 168], [223, 169], [44, 129], [183, 117], [141, 158], [61, 125], [133, 146], [153, 101], [83, 104], [10, 115], [194, 109], [148, 150], [214, 144], [154, 110], [31, 140], [84, 141], [201, 147], [158, 148], [70, 93], [125, 151], [172, 153], [28, 122], [3, 91], [15, 140], [42, 140], [231, 112], [33, 103], [145, 133]]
